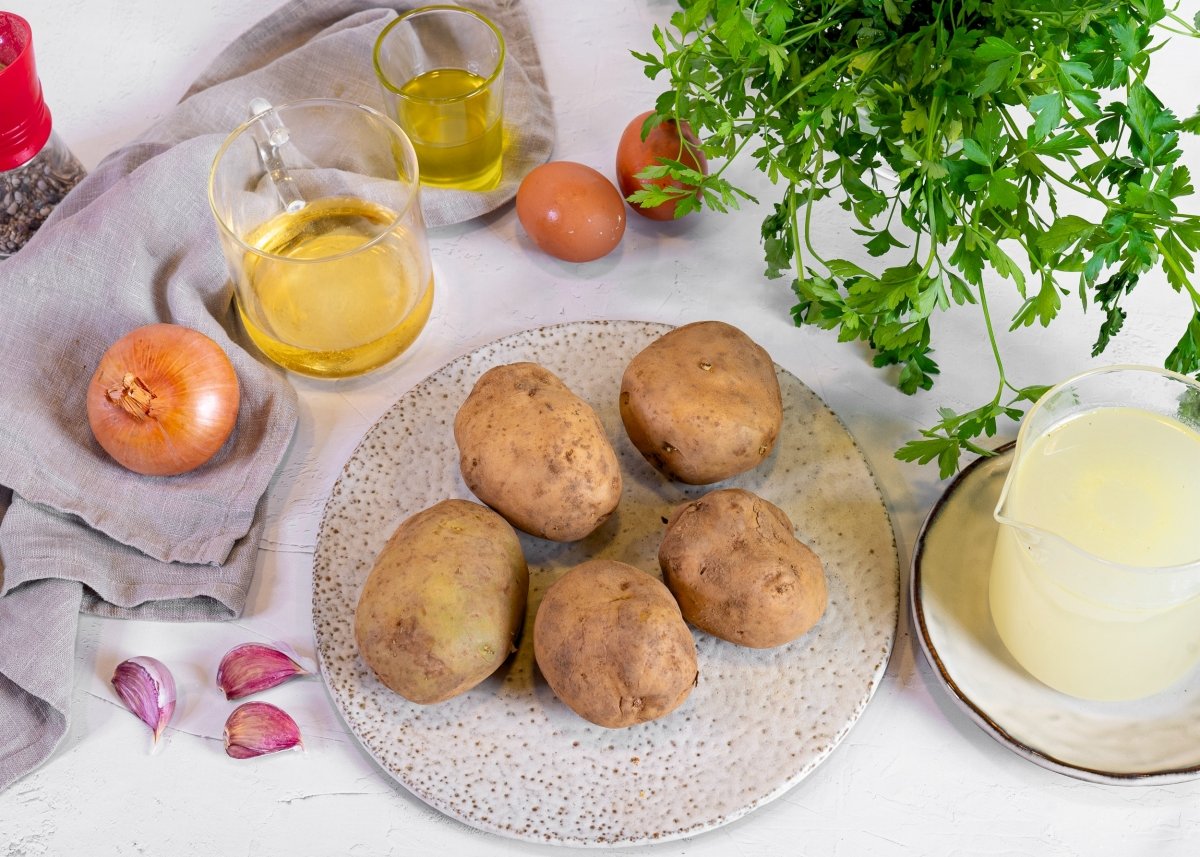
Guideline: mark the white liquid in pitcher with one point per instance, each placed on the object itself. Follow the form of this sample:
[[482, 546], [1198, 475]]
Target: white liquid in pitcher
[[1099, 620]]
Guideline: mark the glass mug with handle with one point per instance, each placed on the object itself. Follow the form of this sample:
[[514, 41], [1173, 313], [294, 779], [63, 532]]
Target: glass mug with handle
[[318, 209]]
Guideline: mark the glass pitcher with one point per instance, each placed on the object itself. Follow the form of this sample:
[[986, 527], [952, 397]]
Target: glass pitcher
[[1095, 579]]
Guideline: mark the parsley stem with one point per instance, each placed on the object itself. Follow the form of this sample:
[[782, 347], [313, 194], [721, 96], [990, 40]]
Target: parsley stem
[[798, 252], [816, 28], [931, 220], [987, 320], [814, 74], [730, 159], [808, 209], [1016, 236], [1188, 28], [1084, 190]]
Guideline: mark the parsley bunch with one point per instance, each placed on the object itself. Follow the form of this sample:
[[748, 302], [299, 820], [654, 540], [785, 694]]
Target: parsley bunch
[[988, 114]]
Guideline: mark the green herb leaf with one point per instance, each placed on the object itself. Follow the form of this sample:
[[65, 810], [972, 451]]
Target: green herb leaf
[[1067, 230], [1032, 393], [994, 48], [1047, 110], [882, 243], [779, 14], [993, 77], [1185, 357], [976, 153], [843, 268]]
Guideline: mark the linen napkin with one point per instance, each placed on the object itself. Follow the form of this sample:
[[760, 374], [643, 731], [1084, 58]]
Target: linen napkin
[[135, 243]]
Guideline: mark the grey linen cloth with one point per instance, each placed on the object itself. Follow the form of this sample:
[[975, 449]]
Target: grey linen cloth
[[135, 243]]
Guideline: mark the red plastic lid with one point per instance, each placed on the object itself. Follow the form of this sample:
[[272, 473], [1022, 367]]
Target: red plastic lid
[[24, 117]]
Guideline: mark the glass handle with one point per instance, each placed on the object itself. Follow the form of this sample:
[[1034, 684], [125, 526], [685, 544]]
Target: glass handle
[[271, 136]]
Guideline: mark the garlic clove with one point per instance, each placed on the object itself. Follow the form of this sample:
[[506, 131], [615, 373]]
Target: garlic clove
[[252, 667], [147, 688], [258, 728]]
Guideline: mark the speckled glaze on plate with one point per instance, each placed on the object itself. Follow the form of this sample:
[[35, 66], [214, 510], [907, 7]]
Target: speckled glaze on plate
[[507, 756], [1152, 741]]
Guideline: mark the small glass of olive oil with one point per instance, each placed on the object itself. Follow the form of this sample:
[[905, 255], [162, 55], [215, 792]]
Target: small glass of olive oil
[[318, 210], [441, 69]]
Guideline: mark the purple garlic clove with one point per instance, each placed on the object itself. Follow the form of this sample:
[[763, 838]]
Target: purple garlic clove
[[252, 667], [258, 728], [147, 688]]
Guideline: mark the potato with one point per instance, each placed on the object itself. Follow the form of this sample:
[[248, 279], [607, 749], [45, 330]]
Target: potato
[[702, 403], [738, 572], [444, 603], [537, 453], [612, 645]]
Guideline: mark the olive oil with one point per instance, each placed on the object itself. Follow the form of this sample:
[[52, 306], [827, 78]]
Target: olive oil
[[343, 289], [453, 120]]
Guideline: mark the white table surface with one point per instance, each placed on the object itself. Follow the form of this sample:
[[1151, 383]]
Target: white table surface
[[914, 776]]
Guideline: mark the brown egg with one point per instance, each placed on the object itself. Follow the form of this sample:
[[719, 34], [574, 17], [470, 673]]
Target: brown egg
[[571, 211], [635, 154]]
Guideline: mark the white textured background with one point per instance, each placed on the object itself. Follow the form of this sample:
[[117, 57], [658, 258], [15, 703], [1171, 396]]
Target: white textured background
[[915, 776]]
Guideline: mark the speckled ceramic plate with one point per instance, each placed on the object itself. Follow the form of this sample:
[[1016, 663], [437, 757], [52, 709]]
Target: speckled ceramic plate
[[1152, 741], [507, 756]]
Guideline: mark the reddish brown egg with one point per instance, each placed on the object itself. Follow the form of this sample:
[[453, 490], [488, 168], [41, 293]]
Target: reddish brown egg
[[635, 154], [571, 211]]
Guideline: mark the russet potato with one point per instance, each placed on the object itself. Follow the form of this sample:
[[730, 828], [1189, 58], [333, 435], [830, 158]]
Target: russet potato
[[612, 645], [702, 403], [734, 564], [443, 605], [537, 453]]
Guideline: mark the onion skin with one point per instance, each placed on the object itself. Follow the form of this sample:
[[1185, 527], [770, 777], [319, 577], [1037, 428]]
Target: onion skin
[[163, 400]]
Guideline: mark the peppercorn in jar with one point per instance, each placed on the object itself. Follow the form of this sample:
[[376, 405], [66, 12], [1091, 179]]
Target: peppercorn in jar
[[36, 169]]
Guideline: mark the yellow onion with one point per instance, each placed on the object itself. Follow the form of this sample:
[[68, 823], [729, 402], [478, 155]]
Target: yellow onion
[[163, 400]]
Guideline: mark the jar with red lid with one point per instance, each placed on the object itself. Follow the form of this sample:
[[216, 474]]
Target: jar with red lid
[[36, 169]]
